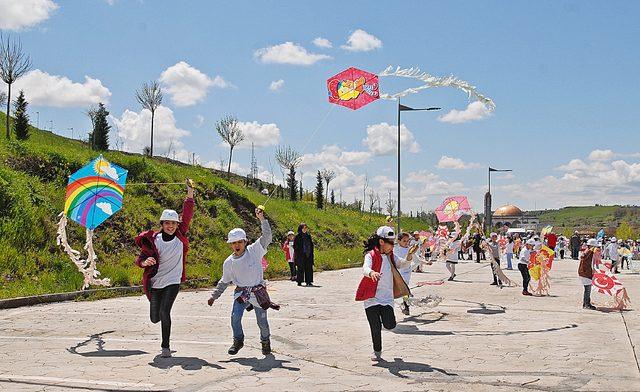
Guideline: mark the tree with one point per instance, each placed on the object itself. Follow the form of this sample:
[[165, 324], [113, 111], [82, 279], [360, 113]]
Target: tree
[[319, 191], [333, 197], [101, 128], [13, 64], [289, 159], [91, 113], [150, 97], [624, 231], [373, 199], [364, 189], [390, 205], [327, 176], [301, 190], [21, 122], [3, 98], [230, 132]]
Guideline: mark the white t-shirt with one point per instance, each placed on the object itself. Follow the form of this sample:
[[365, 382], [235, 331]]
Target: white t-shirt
[[509, 247], [452, 252], [524, 256], [170, 263], [246, 270], [291, 251], [405, 271], [613, 251], [384, 291]]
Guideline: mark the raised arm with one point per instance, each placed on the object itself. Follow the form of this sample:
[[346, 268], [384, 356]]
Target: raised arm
[[266, 237], [187, 208]]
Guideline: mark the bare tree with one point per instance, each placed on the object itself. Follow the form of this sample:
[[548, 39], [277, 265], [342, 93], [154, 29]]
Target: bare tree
[[92, 112], [373, 199], [3, 98], [13, 64], [390, 204], [289, 159], [364, 188], [150, 97], [327, 176], [230, 132]]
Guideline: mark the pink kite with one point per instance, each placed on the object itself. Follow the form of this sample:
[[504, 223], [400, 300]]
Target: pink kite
[[443, 232], [353, 88], [453, 208]]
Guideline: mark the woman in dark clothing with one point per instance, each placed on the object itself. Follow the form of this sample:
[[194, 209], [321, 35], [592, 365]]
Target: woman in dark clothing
[[303, 255]]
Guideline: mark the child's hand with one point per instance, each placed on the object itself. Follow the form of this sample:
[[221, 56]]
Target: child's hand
[[260, 214], [190, 186], [375, 276], [413, 249], [210, 301], [149, 261]]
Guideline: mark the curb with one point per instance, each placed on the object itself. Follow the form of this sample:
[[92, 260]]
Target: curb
[[60, 297]]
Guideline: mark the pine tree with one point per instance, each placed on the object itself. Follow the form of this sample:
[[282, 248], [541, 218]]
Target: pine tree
[[292, 184], [21, 123], [301, 190], [333, 197], [100, 134], [319, 191]]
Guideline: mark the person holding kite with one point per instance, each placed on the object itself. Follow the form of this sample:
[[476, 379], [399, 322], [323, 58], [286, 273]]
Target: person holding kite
[[523, 265], [163, 256], [451, 253], [244, 268], [585, 272], [382, 283]]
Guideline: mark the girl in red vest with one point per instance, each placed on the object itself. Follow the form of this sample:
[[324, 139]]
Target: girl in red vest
[[163, 255], [382, 283]]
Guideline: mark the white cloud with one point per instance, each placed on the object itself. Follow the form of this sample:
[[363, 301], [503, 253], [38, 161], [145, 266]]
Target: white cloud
[[322, 43], [21, 14], [105, 207], [262, 135], [382, 139], [601, 155], [446, 162], [332, 155], [187, 85], [276, 85], [199, 120], [574, 165], [361, 41], [43, 89], [135, 131], [288, 53], [475, 111]]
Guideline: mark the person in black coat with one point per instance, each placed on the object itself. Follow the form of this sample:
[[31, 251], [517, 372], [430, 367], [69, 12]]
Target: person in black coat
[[303, 255]]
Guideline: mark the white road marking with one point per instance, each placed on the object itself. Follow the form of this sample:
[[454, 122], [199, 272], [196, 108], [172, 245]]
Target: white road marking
[[59, 380]]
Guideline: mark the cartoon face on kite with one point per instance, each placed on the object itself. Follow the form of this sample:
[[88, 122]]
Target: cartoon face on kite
[[353, 88], [605, 282], [453, 208]]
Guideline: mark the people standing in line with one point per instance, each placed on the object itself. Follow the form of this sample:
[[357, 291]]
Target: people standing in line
[[163, 255], [401, 249], [585, 273], [477, 248], [575, 243], [494, 248], [523, 265], [244, 269], [289, 252], [303, 255], [381, 284], [508, 250]]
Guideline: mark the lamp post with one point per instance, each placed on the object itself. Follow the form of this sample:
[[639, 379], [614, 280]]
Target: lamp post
[[403, 108], [487, 199]]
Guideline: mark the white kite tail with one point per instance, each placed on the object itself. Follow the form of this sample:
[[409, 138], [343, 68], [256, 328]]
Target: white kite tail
[[86, 267]]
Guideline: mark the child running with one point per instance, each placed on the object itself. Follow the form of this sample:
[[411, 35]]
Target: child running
[[244, 268], [164, 256], [401, 250], [381, 284]]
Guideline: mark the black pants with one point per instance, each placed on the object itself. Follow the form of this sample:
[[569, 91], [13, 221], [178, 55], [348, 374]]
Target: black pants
[[478, 252], [379, 315], [561, 254], [526, 278], [161, 304], [586, 297], [292, 269], [305, 271], [574, 253]]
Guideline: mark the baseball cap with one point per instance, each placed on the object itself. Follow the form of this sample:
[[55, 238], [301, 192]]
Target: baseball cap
[[169, 215], [386, 233], [236, 235]]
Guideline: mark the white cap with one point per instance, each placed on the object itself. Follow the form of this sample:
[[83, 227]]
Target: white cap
[[613, 239], [290, 233], [493, 235], [236, 235], [531, 242], [592, 242], [386, 232], [169, 215]]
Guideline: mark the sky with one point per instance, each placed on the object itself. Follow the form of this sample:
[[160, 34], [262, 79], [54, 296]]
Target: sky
[[563, 76]]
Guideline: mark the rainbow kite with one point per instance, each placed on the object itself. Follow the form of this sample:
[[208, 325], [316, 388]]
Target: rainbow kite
[[95, 192]]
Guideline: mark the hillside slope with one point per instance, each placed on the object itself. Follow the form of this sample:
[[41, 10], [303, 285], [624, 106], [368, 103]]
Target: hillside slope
[[33, 177]]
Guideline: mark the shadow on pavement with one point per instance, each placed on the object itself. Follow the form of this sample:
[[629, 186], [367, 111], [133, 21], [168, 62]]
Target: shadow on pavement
[[263, 365], [186, 363], [399, 365], [101, 352]]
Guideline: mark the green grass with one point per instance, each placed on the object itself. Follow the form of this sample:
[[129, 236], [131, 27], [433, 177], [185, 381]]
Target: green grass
[[33, 177]]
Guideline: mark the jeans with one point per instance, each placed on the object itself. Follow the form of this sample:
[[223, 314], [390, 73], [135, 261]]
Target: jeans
[[160, 306], [526, 278], [236, 321], [586, 298], [379, 315], [509, 256]]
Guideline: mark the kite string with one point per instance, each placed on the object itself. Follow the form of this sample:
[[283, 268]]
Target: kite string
[[304, 148]]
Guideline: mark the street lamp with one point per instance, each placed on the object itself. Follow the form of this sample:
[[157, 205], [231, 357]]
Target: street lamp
[[487, 199], [71, 129], [38, 121], [403, 108]]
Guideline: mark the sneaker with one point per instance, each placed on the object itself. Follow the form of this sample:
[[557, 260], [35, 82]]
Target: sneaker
[[405, 309], [236, 346], [376, 356], [450, 279], [525, 292], [590, 307], [494, 284], [166, 352], [266, 347], [309, 284]]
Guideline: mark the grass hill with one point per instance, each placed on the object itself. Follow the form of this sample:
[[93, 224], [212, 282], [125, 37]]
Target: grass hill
[[33, 177], [593, 218]]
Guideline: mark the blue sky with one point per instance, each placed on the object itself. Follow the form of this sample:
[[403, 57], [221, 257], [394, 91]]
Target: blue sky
[[563, 75]]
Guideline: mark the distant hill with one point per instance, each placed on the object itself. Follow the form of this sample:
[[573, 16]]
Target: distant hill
[[33, 177], [592, 218]]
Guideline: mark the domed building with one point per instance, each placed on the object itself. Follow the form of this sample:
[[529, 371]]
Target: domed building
[[512, 216]]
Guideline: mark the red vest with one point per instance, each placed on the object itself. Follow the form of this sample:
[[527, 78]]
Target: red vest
[[367, 287]]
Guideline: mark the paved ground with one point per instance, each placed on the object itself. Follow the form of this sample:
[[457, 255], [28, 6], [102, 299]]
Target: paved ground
[[479, 338]]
